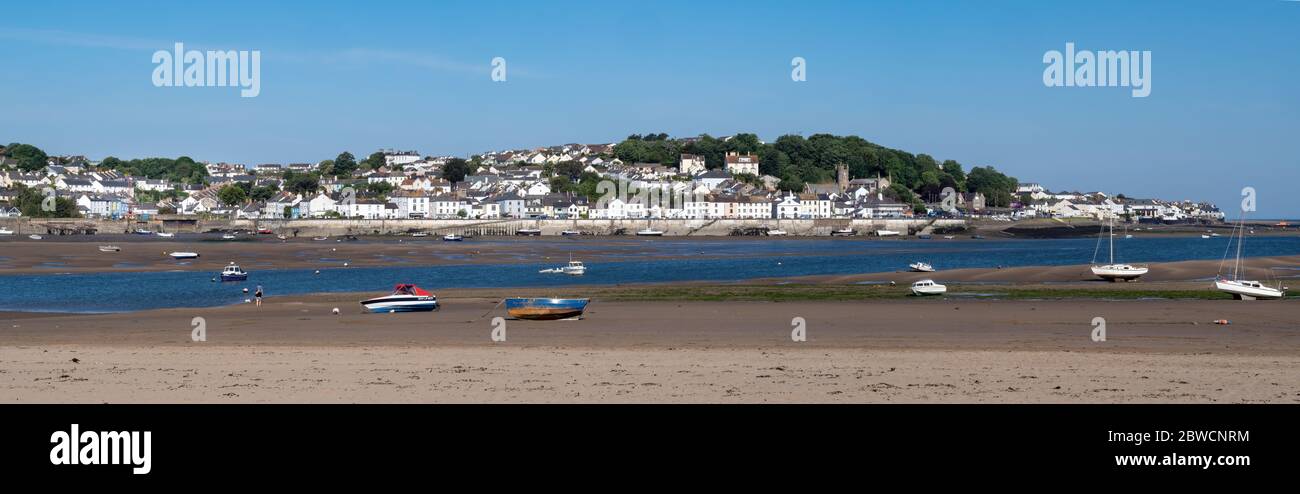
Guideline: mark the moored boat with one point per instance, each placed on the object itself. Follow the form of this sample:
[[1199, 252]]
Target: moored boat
[[166, 235], [184, 255], [143, 231], [921, 267], [109, 248], [228, 236], [35, 237], [6, 231], [887, 233], [1114, 271], [233, 273], [546, 309], [570, 233], [419, 234], [529, 232], [1244, 289], [928, 287], [776, 233], [649, 232], [405, 298], [844, 232], [452, 237]]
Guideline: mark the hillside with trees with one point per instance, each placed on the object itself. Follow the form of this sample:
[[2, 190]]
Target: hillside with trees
[[797, 160]]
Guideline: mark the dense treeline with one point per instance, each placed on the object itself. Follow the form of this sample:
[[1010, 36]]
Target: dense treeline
[[797, 160], [182, 169]]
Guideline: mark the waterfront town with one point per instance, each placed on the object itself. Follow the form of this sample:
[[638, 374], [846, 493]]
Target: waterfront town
[[570, 181]]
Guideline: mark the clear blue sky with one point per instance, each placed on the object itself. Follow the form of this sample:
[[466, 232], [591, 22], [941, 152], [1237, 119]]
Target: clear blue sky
[[957, 80]]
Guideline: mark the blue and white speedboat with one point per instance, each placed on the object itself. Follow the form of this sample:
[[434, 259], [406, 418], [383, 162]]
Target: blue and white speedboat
[[233, 273], [405, 298]]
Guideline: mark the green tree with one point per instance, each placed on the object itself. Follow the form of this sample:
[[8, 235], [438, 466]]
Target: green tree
[[344, 164], [232, 195], [30, 158], [374, 161], [455, 171]]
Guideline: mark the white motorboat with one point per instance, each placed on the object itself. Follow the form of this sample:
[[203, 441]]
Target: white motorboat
[[233, 273], [109, 248], [887, 233], [35, 237], [1239, 288], [6, 231], [776, 233], [405, 298], [649, 232], [452, 237], [143, 231], [928, 287], [570, 233], [1205, 236], [921, 267], [166, 235], [844, 232], [320, 238], [1113, 271], [184, 255], [574, 268]]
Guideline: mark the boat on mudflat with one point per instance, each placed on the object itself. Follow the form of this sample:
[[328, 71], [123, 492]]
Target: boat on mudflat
[[405, 298], [546, 309]]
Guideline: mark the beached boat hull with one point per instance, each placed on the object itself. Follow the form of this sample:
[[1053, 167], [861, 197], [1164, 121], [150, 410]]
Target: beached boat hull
[[401, 304], [546, 309], [1248, 290], [1119, 272]]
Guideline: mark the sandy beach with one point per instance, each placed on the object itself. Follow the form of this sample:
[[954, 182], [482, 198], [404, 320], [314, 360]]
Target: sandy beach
[[897, 351]]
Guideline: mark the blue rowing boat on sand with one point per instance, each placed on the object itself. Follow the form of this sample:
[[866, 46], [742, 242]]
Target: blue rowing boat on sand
[[546, 309]]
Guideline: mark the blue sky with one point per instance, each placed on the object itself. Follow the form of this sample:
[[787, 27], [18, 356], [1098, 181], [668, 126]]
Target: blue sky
[[957, 80]]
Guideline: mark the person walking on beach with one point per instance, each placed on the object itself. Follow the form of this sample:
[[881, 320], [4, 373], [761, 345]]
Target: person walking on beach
[[258, 295]]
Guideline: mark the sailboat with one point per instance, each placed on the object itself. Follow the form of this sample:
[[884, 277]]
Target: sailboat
[[1114, 271], [1239, 288]]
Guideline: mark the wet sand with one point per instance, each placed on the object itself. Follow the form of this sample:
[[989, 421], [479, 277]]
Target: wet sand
[[294, 350]]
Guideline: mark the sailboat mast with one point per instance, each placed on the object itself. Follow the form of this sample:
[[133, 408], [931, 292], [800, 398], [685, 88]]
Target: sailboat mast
[[1236, 268], [1112, 239]]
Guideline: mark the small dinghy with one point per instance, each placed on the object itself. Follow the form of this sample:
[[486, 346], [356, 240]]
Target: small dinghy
[[776, 233], [184, 255], [928, 287], [452, 237], [143, 231], [844, 232], [529, 232], [233, 273], [546, 309], [649, 232], [109, 248], [405, 298], [166, 235], [570, 233], [35, 237]]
